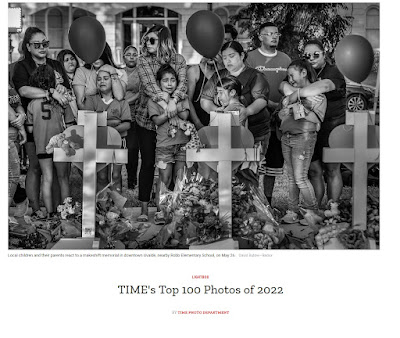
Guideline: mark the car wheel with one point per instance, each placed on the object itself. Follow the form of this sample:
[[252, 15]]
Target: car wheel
[[356, 102]]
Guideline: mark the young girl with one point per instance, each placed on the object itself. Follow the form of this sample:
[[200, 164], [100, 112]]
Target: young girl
[[46, 118], [118, 117], [299, 126], [228, 92], [170, 158]]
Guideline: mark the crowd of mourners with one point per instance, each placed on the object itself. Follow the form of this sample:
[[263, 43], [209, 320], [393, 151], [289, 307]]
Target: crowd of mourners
[[289, 106]]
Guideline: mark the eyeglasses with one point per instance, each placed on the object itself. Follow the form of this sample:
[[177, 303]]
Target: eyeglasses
[[131, 55], [37, 45], [152, 41], [272, 34], [315, 55]]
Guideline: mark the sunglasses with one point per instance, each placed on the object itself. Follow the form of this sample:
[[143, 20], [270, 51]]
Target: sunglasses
[[37, 45], [315, 55], [152, 41], [272, 34]]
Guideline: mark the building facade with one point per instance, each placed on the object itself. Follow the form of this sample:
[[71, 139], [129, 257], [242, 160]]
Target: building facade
[[125, 23]]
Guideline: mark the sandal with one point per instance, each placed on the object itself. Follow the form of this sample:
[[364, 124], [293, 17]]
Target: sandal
[[143, 218], [159, 218]]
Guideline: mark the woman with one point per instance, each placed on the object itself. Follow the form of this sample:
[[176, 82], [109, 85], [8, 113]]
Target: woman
[[197, 76], [69, 61], [157, 49], [131, 96], [35, 47], [84, 82], [254, 96], [332, 84]]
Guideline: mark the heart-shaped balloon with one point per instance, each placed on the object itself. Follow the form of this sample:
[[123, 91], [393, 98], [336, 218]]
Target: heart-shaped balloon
[[240, 138], [343, 137], [107, 138]]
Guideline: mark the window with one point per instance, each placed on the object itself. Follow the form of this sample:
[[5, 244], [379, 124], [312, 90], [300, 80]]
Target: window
[[372, 26], [55, 28]]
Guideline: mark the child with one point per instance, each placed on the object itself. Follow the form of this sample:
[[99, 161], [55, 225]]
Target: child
[[299, 126], [46, 118], [118, 117], [170, 157], [228, 94]]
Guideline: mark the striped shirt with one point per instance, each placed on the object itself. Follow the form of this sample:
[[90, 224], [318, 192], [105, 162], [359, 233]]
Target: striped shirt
[[148, 65]]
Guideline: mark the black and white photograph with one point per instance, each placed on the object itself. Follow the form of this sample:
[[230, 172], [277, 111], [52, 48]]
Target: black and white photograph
[[193, 160], [300, 83]]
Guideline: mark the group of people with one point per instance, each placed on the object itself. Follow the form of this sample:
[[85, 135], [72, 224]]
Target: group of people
[[290, 107]]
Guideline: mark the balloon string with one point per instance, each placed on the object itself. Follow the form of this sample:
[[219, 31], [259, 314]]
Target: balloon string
[[216, 69], [202, 85]]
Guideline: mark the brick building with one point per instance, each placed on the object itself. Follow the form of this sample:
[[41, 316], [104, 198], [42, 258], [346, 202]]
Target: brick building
[[125, 23]]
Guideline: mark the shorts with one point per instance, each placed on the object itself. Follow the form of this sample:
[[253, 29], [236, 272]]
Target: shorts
[[274, 158], [170, 154], [43, 156], [264, 141], [323, 135]]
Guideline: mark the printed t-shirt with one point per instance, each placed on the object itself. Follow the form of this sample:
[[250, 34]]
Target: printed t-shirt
[[48, 119], [116, 110], [163, 140]]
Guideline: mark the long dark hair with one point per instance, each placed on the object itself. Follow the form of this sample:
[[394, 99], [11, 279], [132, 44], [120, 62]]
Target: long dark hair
[[62, 53], [300, 64], [30, 31], [106, 56], [43, 77], [165, 49]]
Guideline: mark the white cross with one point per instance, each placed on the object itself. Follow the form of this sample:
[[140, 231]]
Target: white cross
[[90, 156], [224, 155], [360, 155]]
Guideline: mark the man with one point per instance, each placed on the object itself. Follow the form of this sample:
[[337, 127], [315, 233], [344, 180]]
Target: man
[[273, 64], [230, 33]]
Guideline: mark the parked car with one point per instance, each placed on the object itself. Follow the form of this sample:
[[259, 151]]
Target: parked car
[[359, 96]]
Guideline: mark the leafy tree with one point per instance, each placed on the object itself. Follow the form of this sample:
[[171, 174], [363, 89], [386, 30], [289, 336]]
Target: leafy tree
[[297, 22]]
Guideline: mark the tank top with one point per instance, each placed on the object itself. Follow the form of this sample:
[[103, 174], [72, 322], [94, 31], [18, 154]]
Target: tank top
[[203, 116]]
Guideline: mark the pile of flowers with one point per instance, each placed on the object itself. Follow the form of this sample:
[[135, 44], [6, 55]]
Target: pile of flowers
[[193, 208], [70, 209]]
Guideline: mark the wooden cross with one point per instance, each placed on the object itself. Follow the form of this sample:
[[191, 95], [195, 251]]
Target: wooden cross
[[94, 123], [224, 155], [360, 155]]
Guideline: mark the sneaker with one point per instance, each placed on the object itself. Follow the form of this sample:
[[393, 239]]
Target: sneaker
[[159, 218], [333, 209], [290, 217], [21, 208]]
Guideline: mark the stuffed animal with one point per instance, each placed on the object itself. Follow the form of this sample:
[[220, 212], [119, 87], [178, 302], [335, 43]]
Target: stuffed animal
[[60, 141]]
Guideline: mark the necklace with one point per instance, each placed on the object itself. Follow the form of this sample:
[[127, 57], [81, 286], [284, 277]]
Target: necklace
[[320, 71]]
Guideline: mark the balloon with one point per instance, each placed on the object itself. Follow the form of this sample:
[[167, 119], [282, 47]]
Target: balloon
[[205, 33], [87, 38], [343, 137], [354, 57]]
